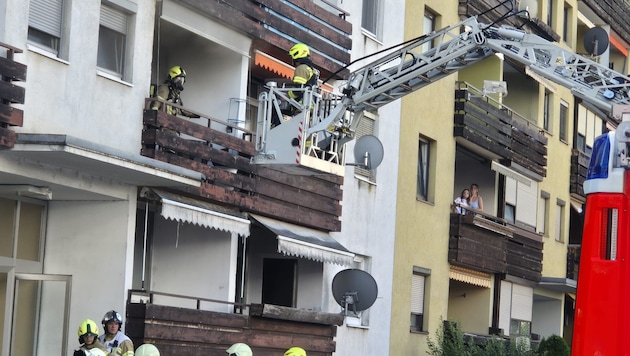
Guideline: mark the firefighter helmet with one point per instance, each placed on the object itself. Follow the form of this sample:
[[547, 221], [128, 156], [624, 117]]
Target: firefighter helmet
[[295, 351], [176, 71], [147, 350], [239, 349], [299, 50], [112, 315], [87, 327]]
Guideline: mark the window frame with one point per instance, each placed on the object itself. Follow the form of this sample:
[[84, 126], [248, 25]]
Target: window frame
[[424, 181], [366, 126], [563, 121], [125, 12], [419, 275], [431, 17], [543, 223], [372, 29], [560, 219], [547, 105], [61, 49]]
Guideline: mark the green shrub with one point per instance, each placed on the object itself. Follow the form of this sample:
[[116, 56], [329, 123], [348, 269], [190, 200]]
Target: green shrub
[[554, 345]]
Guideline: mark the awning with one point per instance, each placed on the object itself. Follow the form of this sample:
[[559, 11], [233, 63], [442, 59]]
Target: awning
[[499, 168], [284, 70], [541, 80], [470, 276], [184, 209], [299, 241]]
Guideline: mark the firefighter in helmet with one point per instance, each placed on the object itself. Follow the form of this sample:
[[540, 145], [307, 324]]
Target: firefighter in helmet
[[305, 73], [295, 351], [171, 90], [239, 349], [88, 338], [117, 343]]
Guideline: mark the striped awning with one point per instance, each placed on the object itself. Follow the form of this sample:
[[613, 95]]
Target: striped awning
[[470, 276]]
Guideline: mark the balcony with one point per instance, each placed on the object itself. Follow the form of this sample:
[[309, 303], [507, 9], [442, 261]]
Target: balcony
[[489, 244], [10, 71], [267, 329], [493, 127], [222, 152], [274, 25], [579, 169]]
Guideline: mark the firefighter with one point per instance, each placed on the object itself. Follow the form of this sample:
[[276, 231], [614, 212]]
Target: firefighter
[[117, 343], [88, 338], [239, 349], [147, 350], [295, 351], [305, 74], [171, 91]]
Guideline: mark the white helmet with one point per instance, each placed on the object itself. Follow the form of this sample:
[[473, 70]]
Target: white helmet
[[239, 349], [94, 352], [147, 350]]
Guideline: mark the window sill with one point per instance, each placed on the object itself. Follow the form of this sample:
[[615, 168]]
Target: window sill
[[422, 200], [106, 75], [418, 332], [45, 53], [369, 35]]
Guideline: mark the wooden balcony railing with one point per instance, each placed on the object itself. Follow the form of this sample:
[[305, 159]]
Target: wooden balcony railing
[[273, 23], [579, 169], [205, 146], [10, 71], [498, 129], [489, 244]]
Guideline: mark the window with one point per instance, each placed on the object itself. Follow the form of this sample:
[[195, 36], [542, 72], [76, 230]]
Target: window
[[565, 22], [45, 24], [589, 126], [424, 165], [370, 17], [510, 214], [550, 13], [113, 41], [365, 127], [428, 26], [546, 110], [560, 205], [361, 318], [564, 112], [543, 213], [418, 283]]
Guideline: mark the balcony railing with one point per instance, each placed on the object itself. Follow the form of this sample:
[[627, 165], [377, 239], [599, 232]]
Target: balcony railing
[[579, 168], [10, 71], [489, 244], [204, 145], [495, 127], [267, 329]]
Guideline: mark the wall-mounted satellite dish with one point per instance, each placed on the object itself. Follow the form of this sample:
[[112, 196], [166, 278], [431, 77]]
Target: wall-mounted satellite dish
[[531, 6], [596, 41], [354, 290], [368, 152]]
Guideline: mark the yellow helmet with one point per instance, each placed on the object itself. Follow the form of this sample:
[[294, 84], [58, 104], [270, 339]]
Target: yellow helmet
[[295, 351], [239, 349], [147, 350], [87, 327], [176, 71], [299, 50]]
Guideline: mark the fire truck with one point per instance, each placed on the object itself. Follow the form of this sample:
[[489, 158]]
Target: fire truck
[[312, 133]]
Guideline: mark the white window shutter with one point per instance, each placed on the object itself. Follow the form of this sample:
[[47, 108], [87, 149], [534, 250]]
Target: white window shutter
[[114, 19], [417, 294], [45, 15]]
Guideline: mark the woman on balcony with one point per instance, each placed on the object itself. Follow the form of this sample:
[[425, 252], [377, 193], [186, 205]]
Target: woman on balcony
[[475, 201]]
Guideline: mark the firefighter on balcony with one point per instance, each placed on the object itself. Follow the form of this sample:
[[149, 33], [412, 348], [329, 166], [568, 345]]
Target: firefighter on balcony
[[170, 91]]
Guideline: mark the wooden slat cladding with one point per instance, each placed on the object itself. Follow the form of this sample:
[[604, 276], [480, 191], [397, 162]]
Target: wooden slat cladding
[[497, 131], [613, 13], [257, 18], [231, 179], [181, 331], [10, 93], [524, 254], [491, 11], [579, 169], [480, 247], [476, 248]]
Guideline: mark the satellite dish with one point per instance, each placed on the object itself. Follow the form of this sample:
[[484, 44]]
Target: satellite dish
[[531, 6], [354, 289], [368, 152], [596, 41]]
